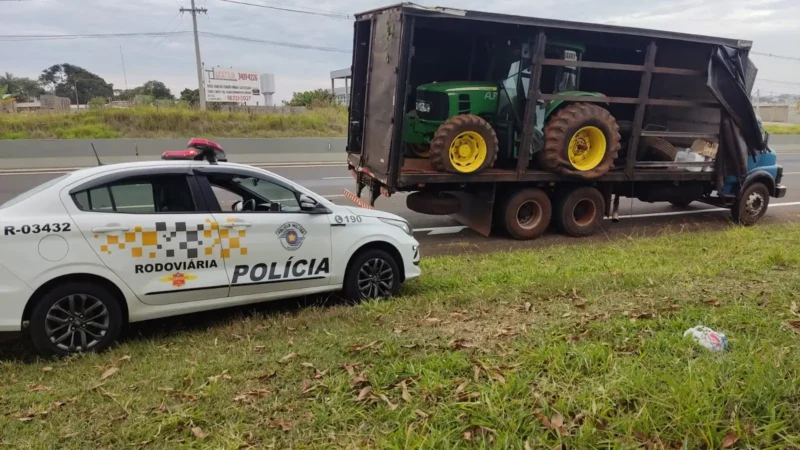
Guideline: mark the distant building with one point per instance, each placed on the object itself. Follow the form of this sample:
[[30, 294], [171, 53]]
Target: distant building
[[342, 94]]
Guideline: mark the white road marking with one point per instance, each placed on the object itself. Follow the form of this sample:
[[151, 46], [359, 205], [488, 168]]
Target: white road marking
[[338, 178], [460, 228]]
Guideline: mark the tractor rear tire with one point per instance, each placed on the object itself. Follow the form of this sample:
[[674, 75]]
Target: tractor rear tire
[[527, 214], [441, 204], [464, 144], [572, 126], [579, 212]]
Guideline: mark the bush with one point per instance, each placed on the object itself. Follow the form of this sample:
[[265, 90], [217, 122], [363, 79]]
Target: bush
[[97, 103]]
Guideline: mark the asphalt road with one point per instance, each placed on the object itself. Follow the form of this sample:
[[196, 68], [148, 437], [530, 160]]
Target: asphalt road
[[445, 235]]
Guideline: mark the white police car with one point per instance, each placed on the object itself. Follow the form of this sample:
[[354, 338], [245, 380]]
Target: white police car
[[88, 252]]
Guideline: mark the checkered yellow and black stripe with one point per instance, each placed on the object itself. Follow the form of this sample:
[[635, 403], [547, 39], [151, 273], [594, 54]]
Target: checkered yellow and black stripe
[[176, 240]]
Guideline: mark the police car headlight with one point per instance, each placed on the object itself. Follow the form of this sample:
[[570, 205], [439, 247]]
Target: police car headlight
[[424, 107], [402, 224]]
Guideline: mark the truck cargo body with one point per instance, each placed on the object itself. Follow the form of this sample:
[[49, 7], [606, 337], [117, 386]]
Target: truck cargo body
[[658, 84]]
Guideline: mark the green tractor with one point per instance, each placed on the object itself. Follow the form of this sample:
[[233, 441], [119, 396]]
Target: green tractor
[[463, 125]]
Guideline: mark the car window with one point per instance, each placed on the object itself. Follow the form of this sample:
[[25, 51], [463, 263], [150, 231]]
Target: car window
[[149, 195], [266, 195]]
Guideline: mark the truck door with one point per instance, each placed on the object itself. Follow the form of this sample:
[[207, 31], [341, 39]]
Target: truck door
[[379, 119]]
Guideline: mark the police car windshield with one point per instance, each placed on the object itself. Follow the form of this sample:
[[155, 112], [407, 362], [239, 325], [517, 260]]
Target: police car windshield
[[30, 193]]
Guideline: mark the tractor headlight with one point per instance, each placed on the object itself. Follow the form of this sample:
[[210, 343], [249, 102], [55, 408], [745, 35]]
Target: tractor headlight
[[402, 224], [424, 107]]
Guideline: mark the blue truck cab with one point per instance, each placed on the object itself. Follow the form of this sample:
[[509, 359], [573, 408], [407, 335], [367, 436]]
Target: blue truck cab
[[750, 198]]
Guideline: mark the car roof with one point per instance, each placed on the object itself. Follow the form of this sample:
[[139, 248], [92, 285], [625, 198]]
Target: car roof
[[98, 170]]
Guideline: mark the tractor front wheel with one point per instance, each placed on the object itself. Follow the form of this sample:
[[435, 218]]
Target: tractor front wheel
[[464, 144], [580, 140]]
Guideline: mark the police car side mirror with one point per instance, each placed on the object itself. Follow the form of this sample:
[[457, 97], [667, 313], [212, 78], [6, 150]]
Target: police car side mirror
[[308, 204]]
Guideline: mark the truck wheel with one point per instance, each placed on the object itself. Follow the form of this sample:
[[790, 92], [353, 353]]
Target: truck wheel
[[580, 140], [751, 205], [580, 212], [440, 204], [464, 144], [527, 214], [75, 318]]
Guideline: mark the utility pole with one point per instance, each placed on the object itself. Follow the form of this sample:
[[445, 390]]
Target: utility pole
[[202, 89]]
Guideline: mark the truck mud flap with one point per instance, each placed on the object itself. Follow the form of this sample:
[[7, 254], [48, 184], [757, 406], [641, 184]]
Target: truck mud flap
[[477, 210]]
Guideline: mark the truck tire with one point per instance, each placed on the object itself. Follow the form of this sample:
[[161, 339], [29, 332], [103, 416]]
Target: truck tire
[[657, 149], [464, 144], [581, 140], [526, 214], [751, 205], [441, 204], [580, 212]]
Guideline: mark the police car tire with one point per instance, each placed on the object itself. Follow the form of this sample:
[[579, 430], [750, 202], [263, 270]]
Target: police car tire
[[350, 289], [39, 314]]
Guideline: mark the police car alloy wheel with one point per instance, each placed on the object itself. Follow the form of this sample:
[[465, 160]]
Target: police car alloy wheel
[[372, 275], [75, 318]]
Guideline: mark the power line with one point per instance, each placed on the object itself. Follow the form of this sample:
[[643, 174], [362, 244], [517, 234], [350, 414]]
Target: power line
[[278, 43], [57, 37], [790, 83], [772, 55], [282, 8]]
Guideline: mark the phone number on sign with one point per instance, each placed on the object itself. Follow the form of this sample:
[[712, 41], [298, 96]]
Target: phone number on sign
[[238, 98]]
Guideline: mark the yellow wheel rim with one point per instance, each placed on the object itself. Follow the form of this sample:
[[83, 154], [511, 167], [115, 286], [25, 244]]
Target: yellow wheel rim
[[468, 152], [587, 148]]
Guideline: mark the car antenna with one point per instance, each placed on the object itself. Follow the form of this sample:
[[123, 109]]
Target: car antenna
[[95, 155]]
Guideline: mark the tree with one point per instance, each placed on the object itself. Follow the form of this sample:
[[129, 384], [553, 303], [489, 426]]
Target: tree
[[5, 97], [24, 89], [190, 96], [65, 79], [310, 99], [157, 90]]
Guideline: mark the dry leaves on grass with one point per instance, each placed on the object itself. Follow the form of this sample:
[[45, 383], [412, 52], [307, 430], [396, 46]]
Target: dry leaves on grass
[[794, 325], [268, 376], [556, 422], [38, 388], [47, 369], [730, 439], [459, 344], [255, 393], [389, 404], [282, 424], [405, 395], [480, 432], [375, 346], [350, 368], [289, 357], [364, 393], [223, 376], [109, 373], [199, 433]]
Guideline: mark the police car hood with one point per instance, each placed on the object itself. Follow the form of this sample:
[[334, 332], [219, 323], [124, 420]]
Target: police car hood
[[373, 213]]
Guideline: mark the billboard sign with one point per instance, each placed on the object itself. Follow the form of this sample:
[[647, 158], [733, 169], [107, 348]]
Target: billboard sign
[[233, 86]]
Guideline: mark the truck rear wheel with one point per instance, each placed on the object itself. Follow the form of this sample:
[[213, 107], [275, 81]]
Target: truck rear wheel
[[580, 212], [751, 205], [464, 144], [580, 140], [527, 214]]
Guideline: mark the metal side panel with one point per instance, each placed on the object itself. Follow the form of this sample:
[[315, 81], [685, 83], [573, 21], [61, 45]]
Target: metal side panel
[[382, 85]]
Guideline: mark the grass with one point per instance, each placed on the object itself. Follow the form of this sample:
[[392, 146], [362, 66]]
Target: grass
[[568, 347], [151, 122], [783, 129]]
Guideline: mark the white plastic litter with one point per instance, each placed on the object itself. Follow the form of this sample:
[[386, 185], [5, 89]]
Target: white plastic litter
[[708, 338], [688, 155]]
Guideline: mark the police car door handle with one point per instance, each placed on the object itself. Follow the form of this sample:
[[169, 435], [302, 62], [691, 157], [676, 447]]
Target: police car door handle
[[236, 224], [110, 229]]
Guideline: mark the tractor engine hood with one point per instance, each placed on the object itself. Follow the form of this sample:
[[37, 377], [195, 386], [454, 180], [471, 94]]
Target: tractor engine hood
[[454, 87]]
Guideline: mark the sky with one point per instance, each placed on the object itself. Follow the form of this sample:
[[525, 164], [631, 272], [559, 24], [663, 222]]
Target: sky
[[773, 25]]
